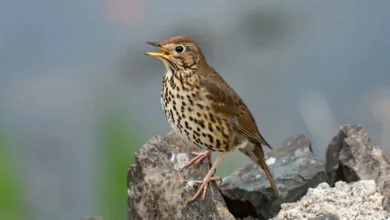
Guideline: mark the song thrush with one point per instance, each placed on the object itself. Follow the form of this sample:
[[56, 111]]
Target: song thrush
[[204, 110]]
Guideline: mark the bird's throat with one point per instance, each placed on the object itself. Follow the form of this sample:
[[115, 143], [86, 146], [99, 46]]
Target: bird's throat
[[180, 79]]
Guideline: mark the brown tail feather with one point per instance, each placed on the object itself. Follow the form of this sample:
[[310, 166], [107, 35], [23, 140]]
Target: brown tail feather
[[261, 161]]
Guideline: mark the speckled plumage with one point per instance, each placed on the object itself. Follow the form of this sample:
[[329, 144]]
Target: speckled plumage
[[190, 114], [202, 108]]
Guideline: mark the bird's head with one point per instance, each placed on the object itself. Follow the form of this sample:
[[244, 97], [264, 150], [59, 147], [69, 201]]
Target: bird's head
[[178, 53]]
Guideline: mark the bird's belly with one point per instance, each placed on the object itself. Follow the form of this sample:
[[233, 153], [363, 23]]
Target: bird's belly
[[194, 121]]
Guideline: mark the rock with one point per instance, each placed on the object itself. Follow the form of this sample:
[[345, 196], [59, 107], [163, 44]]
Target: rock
[[247, 192], [158, 187], [385, 190], [352, 155], [358, 200], [328, 216]]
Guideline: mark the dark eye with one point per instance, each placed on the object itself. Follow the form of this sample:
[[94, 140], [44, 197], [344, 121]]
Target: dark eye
[[179, 49]]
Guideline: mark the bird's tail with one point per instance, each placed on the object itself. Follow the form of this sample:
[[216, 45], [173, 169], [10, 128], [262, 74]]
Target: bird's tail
[[258, 157]]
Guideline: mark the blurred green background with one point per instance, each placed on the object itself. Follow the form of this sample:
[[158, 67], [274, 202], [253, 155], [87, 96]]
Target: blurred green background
[[78, 97]]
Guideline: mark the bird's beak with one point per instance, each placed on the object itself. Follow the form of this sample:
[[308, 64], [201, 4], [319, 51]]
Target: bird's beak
[[164, 52]]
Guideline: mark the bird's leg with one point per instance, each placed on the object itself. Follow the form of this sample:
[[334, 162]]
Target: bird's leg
[[207, 179], [199, 157]]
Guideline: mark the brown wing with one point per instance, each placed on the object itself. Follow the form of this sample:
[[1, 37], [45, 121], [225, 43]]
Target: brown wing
[[229, 105]]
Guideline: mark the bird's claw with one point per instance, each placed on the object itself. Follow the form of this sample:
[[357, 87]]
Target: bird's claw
[[203, 187], [216, 178]]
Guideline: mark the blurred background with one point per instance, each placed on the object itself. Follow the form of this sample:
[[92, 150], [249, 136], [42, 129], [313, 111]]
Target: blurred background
[[78, 97]]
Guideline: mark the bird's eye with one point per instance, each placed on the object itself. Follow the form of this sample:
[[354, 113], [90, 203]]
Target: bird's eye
[[179, 49]]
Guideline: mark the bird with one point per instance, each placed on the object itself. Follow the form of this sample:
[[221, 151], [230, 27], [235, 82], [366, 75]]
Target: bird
[[204, 110]]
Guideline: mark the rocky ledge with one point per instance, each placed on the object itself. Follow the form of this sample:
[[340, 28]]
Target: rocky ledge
[[357, 200], [159, 187]]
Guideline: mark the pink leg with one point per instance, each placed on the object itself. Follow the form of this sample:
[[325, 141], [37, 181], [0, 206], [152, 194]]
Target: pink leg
[[207, 179], [199, 157]]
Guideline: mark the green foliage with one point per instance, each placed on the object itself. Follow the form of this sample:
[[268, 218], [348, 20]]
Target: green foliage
[[11, 190], [118, 144]]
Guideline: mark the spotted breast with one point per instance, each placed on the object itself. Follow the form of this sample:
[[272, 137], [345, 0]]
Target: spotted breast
[[189, 114]]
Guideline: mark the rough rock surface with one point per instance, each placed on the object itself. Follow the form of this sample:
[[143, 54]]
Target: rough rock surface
[[352, 155], [295, 169], [158, 187], [328, 216], [358, 200]]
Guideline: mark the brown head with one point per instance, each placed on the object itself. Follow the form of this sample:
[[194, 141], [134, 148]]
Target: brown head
[[179, 53]]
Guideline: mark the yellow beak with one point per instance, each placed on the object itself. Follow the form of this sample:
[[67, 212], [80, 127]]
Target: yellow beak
[[164, 52]]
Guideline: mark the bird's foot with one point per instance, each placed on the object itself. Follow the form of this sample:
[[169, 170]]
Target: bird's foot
[[199, 157], [203, 188]]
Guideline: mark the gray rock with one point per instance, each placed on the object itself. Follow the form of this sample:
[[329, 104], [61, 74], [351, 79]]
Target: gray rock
[[158, 187], [358, 200], [328, 216], [352, 155], [295, 169]]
